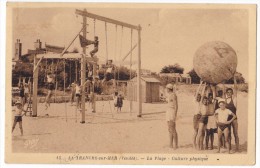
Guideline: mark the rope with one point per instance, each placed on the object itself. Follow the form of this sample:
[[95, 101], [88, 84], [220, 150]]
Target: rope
[[94, 27], [64, 84], [106, 41], [131, 103], [120, 51], [115, 57]]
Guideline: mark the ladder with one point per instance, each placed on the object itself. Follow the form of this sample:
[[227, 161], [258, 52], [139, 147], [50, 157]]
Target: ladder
[[29, 107]]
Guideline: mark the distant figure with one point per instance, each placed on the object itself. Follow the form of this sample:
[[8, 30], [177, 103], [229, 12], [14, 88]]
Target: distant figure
[[115, 99], [119, 103], [222, 114], [50, 87], [73, 92], [21, 93], [26, 93], [18, 116], [171, 114], [95, 50], [78, 91]]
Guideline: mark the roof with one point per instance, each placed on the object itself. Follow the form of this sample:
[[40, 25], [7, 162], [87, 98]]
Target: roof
[[170, 74], [185, 75], [148, 79]]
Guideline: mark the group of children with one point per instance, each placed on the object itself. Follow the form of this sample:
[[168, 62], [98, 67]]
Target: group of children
[[214, 114]]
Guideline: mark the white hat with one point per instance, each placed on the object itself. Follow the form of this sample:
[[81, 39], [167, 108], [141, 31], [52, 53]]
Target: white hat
[[221, 100], [169, 86], [18, 102]]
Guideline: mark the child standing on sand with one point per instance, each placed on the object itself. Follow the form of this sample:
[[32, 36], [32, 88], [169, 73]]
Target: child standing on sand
[[18, 116], [222, 114], [171, 114], [119, 103]]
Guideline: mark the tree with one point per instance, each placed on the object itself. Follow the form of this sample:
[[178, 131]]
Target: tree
[[194, 76], [176, 68], [196, 79], [239, 77]]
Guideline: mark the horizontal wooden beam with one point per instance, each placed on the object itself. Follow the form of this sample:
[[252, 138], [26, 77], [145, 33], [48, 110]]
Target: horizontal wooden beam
[[66, 56], [105, 19]]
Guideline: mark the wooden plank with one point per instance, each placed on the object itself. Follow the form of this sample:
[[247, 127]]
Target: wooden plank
[[105, 19]]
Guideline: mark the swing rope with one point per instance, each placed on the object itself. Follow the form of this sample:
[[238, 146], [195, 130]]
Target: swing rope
[[106, 42], [131, 53], [64, 85], [115, 59], [120, 51]]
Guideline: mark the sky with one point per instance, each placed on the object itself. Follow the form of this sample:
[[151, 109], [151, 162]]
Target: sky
[[168, 35]]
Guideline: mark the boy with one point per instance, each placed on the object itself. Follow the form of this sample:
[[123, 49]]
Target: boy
[[18, 116], [78, 95], [223, 123], [211, 126], [50, 87], [95, 46], [231, 105], [73, 91], [171, 114], [203, 121], [119, 103], [196, 116]]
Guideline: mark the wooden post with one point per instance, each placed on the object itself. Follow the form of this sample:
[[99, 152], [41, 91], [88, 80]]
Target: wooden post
[[35, 87], [83, 71], [139, 87]]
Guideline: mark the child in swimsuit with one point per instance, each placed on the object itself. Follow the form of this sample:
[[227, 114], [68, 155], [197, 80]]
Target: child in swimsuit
[[223, 123], [119, 103], [18, 116], [78, 95]]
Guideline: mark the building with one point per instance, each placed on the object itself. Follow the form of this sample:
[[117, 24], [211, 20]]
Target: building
[[18, 50], [150, 89], [185, 78], [177, 78]]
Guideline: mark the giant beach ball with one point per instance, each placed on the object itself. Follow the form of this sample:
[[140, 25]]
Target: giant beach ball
[[215, 62]]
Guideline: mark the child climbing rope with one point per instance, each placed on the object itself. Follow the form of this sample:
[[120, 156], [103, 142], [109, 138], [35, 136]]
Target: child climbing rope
[[18, 116]]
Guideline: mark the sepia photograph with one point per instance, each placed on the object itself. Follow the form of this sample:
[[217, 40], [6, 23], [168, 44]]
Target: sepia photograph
[[110, 83]]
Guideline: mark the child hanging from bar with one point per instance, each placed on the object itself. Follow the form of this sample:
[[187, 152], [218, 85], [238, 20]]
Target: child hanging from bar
[[18, 116], [50, 87], [95, 50]]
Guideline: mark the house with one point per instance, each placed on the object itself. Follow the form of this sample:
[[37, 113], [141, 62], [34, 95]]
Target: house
[[150, 89], [177, 78], [185, 78]]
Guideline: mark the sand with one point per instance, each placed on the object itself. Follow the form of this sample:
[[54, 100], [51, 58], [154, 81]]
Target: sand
[[110, 132]]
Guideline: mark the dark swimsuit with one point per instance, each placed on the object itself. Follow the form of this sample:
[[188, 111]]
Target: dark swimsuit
[[232, 108], [223, 126]]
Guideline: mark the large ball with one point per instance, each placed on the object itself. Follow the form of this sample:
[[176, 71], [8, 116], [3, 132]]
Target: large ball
[[215, 62]]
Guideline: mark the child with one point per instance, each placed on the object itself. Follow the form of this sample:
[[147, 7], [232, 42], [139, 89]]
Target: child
[[50, 87], [18, 116], [78, 95], [73, 91], [21, 93], [171, 114], [211, 126], [196, 116], [203, 121], [223, 123], [95, 46], [115, 99], [119, 103]]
